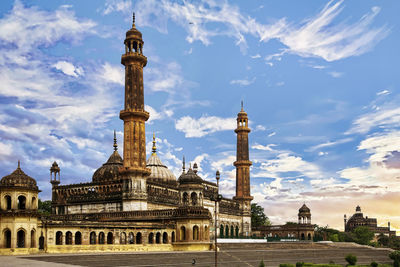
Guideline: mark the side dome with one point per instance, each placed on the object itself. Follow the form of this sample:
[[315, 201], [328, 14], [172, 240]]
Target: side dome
[[158, 169], [304, 209], [190, 177], [19, 179], [110, 170]]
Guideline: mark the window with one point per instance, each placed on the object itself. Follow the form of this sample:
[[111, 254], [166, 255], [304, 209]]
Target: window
[[173, 237], [165, 238], [131, 238], [101, 238], [183, 233], [110, 238], [122, 238], [59, 237], [7, 239], [8, 201], [68, 238], [139, 238], [151, 238], [21, 239], [21, 202], [92, 238], [78, 238], [195, 232], [158, 238], [193, 197], [33, 239]]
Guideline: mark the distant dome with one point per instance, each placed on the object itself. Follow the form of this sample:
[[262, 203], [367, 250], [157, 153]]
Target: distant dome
[[358, 209], [158, 169], [190, 177], [19, 179], [110, 170], [304, 209]]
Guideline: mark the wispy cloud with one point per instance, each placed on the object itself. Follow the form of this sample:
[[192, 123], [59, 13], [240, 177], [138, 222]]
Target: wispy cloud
[[330, 144], [244, 82], [204, 125], [383, 92], [336, 74]]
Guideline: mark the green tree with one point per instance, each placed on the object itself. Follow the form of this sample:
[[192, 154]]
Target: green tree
[[258, 217], [395, 256], [45, 207], [362, 235], [383, 240], [351, 259]]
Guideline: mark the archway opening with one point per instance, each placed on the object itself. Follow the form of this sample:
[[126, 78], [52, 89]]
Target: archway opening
[[151, 238], [302, 236], [7, 238], [165, 238], [68, 238], [131, 238], [193, 197], [221, 231], [59, 238], [21, 239], [21, 202], [158, 238], [195, 232], [93, 238], [206, 233], [139, 238], [101, 238], [237, 231], [182, 233], [110, 238], [226, 231], [78, 238], [232, 231], [41, 242], [309, 236], [173, 237], [8, 201], [122, 238], [33, 239]]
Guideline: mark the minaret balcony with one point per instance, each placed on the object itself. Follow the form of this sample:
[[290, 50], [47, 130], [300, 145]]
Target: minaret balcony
[[133, 57]]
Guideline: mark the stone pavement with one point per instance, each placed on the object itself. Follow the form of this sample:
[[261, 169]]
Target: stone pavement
[[230, 255]]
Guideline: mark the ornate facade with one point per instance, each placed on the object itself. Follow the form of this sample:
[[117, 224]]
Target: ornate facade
[[131, 204], [358, 219]]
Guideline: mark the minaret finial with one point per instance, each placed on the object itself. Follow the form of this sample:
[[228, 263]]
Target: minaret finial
[[154, 149], [115, 142], [242, 105], [19, 164], [133, 20], [183, 165]]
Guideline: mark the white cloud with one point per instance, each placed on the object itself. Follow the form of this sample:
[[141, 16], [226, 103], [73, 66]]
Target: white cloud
[[261, 147], [330, 144], [318, 36], [260, 128], [68, 68], [271, 134], [123, 6], [336, 74], [244, 82], [383, 92], [256, 56], [113, 73], [204, 125]]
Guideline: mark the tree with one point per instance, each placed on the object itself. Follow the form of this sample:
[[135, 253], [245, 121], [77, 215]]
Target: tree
[[395, 256], [383, 240], [45, 207], [258, 217], [351, 259], [362, 235]]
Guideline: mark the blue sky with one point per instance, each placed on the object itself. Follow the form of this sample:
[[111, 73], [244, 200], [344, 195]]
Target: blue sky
[[319, 81]]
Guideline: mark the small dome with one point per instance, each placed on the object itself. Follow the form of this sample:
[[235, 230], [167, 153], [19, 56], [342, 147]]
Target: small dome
[[133, 32], [110, 170], [304, 209], [158, 169], [19, 179], [190, 178], [358, 209]]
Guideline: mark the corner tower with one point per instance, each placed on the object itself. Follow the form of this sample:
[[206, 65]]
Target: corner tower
[[134, 171], [242, 165]]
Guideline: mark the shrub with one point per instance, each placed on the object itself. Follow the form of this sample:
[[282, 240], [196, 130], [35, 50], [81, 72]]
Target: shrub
[[286, 265], [299, 264], [261, 264], [374, 264], [351, 259], [395, 256]]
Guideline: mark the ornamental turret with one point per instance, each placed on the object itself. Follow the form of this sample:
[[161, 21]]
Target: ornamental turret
[[134, 171]]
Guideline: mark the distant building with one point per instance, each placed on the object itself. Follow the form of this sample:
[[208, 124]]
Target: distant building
[[303, 230], [358, 220]]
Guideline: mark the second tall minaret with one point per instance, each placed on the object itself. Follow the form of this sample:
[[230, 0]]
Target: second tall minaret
[[134, 171], [242, 165]]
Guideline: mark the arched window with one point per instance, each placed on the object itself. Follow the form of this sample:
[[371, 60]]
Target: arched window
[[185, 198], [302, 236], [237, 231], [68, 238], [226, 231], [165, 238], [110, 238], [221, 231], [158, 238], [21, 239], [7, 239], [33, 239], [309, 236], [206, 233], [59, 238], [139, 238], [232, 231], [151, 238], [122, 238], [41, 242], [8, 201], [182, 233], [193, 197], [21, 202], [101, 238], [78, 238], [195, 232], [173, 237], [93, 238], [131, 238], [33, 203]]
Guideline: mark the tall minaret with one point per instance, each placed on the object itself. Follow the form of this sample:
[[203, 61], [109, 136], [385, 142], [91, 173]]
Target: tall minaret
[[134, 171], [242, 165]]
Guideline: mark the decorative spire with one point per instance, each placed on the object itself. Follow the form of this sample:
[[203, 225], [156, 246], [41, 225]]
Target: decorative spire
[[183, 165], [133, 20], [115, 142], [242, 106], [19, 165], [154, 144]]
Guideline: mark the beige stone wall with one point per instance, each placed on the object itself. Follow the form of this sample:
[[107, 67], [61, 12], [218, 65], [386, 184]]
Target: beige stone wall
[[94, 208], [31, 198]]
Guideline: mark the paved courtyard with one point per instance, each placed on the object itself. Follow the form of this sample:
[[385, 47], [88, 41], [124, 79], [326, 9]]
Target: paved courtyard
[[232, 256]]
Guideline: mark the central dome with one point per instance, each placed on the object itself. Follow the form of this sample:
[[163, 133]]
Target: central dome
[[158, 169]]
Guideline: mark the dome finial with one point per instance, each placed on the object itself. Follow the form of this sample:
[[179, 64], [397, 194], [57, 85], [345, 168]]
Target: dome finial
[[183, 165], [19, 164], [154, 149], [242, 105], [115, 142], [133, 20]]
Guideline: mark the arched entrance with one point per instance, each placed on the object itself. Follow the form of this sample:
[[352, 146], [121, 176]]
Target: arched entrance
[[101, 238], [68, 238], [110, 238], [92, 238], [158, 238], [173, 237], [139, 238], [21, 202], [78, 238], [151, 238], [302, 236], [221, 231], [33, 239], [195, 232], [41, 242], [165, 238], [182, 233], [7, 239], [21, 239], [8, 201], [59, 238]]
